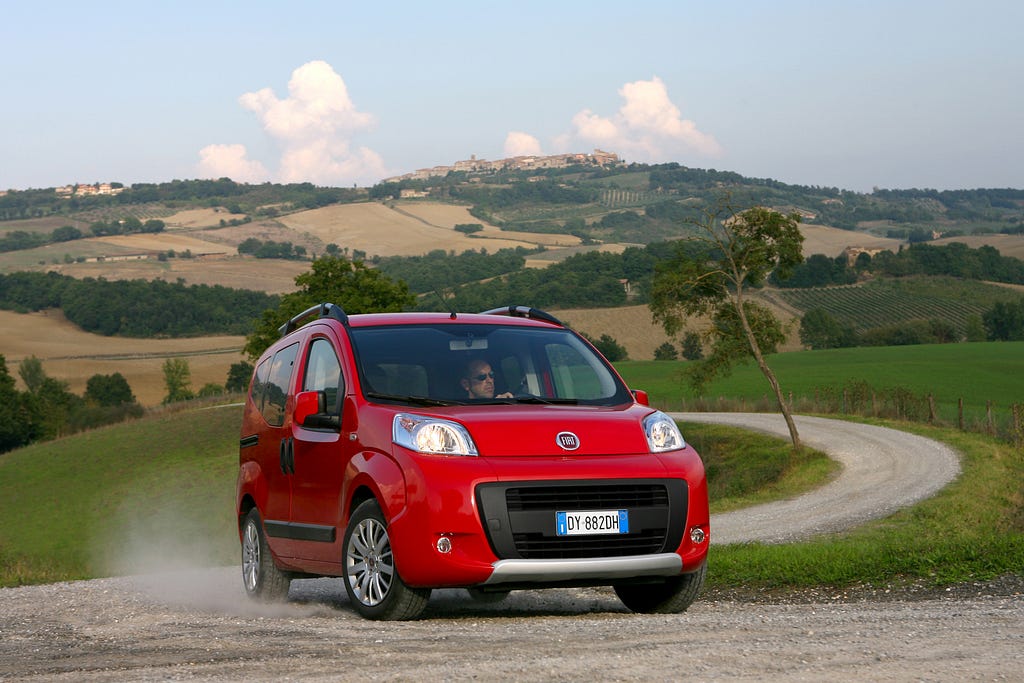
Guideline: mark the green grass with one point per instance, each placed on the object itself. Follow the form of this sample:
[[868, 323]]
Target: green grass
[[977, 373], [132, 497], [971, 531]]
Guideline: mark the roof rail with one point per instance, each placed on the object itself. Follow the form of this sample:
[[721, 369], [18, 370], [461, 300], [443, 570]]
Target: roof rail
[[525, 312], [323, 310]]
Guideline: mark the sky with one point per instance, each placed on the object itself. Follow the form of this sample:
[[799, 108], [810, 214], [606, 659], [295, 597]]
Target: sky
[[855, 95]]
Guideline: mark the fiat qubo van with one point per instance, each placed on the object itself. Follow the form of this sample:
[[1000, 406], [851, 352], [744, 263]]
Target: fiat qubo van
[[494, 452]]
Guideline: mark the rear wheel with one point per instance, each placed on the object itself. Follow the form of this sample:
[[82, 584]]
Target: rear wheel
[[371, 578], [260, 576], [671, 596]]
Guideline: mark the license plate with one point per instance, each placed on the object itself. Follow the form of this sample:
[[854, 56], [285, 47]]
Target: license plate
[[591, 522]]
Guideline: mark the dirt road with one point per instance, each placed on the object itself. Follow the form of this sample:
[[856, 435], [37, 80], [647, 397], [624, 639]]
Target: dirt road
[[198, 624]]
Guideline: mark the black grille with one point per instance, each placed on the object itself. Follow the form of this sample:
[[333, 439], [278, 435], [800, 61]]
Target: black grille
[[586, 497], [520, 517], [538, 546]]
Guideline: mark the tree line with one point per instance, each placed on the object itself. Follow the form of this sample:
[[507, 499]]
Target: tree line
[[136, 308], [954, 260], [47, 409]]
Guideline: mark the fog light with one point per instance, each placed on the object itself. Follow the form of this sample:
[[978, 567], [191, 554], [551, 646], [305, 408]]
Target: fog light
[[444, 545], [697, 535]]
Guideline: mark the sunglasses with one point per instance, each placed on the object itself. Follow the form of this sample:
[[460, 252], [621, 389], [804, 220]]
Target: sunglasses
[[482, 376]]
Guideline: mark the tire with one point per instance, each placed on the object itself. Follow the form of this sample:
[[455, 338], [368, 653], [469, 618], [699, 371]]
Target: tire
[[262, 579], [667, 597], [371, 578]]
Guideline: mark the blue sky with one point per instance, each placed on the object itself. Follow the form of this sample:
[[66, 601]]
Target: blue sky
[[893, 94]]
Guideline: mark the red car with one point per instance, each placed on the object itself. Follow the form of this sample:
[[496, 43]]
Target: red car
[[496, 451]]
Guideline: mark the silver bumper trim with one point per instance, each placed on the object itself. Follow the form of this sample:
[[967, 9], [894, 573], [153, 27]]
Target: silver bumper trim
[[544, 571]]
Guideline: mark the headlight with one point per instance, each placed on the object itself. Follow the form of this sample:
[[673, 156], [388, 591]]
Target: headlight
[[662, 433], [432, 435]]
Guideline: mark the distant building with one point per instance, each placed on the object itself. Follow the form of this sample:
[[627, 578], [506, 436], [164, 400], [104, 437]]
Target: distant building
[[521, 163]]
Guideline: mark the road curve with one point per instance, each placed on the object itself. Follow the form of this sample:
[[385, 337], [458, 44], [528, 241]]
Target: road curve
[[883, 470]]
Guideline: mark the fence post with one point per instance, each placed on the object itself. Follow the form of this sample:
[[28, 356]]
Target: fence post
[[931, 409], [988, 417], [960, 413]]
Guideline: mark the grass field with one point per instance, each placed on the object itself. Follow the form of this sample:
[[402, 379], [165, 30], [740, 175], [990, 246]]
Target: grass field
[[977, 373]]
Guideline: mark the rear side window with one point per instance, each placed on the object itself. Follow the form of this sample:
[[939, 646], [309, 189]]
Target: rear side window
[[275, 388]]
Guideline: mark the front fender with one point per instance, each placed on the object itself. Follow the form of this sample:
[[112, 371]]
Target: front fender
[[379, 473]]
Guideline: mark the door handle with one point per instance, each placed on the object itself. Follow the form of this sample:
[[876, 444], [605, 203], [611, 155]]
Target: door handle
[[286, 456]]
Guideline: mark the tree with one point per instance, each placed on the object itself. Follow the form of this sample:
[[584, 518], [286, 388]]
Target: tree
[[611, 349], [666, 352], [820, 330], [710, 275], [15, 425], [1005, 321], [108, 390], [177, 380], [48, 400], [692, 349], [349, 284], [238, 376]]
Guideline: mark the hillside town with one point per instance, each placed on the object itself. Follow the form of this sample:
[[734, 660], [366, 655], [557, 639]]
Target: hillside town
[[520, 163]]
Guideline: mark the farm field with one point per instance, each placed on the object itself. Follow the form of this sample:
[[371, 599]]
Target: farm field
[[821, 239], [888, 301], [382, 231], [1008, 245], [73, 356]]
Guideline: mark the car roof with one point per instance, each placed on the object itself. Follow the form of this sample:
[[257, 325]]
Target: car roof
[[378, 319]]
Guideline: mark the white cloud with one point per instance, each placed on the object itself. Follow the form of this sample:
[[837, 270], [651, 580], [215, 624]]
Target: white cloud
[[229, 161], [648, 127], [313, 126], [519, 144]]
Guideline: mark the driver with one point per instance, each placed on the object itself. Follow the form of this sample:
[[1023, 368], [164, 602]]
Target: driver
[[478, 380]]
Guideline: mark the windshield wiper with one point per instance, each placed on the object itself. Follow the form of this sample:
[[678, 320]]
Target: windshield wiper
[[415, 400]]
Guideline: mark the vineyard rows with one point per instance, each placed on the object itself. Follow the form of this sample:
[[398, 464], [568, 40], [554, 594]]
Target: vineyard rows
[[866, 307]]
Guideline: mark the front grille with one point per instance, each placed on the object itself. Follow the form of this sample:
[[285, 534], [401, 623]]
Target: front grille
[[520, 517], [602, 497]]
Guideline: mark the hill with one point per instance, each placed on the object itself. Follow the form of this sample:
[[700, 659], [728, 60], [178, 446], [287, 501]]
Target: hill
[[73, 356]]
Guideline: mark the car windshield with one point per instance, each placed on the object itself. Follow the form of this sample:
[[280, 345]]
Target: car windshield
[[451, 364]]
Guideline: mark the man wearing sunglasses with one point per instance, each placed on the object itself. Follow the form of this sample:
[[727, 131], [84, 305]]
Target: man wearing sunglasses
[[478, 380]]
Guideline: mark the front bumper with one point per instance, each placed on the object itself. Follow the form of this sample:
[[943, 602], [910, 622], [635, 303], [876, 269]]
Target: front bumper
[[610, 568]]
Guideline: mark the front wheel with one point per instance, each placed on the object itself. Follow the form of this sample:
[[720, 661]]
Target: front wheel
[[371, 579], [671, 596], [260, 576]]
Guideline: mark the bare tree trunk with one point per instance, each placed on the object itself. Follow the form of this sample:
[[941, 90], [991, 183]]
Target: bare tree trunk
[[769, 375]]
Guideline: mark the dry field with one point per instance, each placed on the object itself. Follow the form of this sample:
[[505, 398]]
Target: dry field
[[821, 239], [71, 355], [163, 241], [380, 230], [198, 218], [1008, 245]]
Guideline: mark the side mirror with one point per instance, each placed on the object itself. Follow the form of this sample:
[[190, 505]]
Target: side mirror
[[308, 403], [641, 397], [311, 410]]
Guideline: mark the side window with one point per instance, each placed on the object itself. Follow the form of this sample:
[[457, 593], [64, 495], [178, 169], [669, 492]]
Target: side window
[[323, 373], [259, 383], [276, 389]]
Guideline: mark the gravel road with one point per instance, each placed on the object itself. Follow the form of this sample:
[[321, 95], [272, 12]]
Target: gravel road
[[198, 625]]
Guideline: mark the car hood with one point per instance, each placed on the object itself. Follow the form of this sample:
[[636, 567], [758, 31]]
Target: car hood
[[552, 430]]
